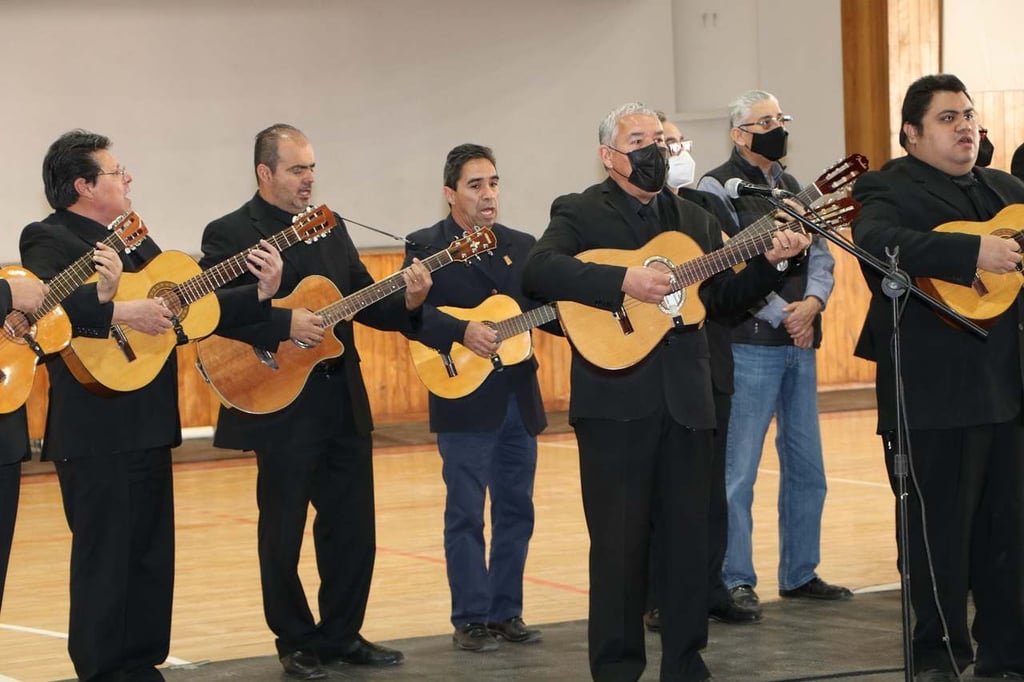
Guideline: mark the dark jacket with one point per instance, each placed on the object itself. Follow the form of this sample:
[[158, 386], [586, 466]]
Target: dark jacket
[[467, 286], [14, 446], [676, 375]]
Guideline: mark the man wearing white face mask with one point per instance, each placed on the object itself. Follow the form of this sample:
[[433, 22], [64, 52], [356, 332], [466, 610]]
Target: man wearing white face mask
[[721, 606]]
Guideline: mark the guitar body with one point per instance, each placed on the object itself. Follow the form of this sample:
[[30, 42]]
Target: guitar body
[[612, 343], [258, 381], [102, 365], [991, 293], [471, 369], [52, 333]]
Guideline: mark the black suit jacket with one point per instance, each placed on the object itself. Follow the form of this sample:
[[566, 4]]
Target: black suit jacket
[[951, 377], [80, 423], [320, 408], [676, 376], [499, 272], [14, 446]]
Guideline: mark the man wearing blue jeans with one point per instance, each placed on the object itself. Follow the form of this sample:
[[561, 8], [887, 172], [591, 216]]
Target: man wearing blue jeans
[[775, 373]]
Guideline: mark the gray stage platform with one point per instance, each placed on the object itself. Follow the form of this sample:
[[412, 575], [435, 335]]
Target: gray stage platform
[[798, 640]]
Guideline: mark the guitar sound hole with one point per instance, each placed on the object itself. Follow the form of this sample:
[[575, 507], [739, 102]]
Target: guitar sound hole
[[168, 292]]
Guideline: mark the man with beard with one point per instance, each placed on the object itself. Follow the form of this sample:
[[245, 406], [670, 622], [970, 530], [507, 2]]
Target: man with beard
[[318, 449], [776, 373], [644, 432]]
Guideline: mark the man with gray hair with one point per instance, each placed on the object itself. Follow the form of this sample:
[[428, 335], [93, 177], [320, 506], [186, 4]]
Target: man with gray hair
[[775, 373], [644, 432]]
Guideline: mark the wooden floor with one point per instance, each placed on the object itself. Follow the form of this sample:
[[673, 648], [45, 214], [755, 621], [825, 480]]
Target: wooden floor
[[217, 610]]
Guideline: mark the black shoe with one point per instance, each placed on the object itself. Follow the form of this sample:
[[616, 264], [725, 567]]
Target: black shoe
[[732, 613], [303, 665], [986, 674], [514, 630], [474, 637], [935, 675], [745, 597], [816, 588], [368, 653], [652, 620]]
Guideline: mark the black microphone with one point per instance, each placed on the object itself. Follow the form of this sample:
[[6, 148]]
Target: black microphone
[[735, 188]]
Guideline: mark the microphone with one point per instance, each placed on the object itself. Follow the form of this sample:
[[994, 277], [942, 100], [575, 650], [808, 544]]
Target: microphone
[[735, 188]]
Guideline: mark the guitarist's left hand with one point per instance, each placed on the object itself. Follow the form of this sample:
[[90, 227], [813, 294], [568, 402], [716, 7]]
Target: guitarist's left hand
[[786, 244], [265, 263], [417, 284], [108, 267]]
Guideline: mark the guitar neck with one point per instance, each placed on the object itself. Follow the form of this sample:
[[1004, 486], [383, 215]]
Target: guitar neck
[[72, 277], [524, 322], [364, 298], [214, 277], [735, 251], [767, 221]]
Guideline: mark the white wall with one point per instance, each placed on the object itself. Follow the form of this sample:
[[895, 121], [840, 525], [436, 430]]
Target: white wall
[[384, 88], [980, 43]]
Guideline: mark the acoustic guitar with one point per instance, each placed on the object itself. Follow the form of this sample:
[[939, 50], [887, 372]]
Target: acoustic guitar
[[29, 337], [257, 380], [990, 294], [460, 371], [127, 359], [621, 338]]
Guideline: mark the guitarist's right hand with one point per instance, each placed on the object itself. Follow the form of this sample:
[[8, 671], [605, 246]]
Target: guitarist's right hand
[[147, 315], [646, 284], [480, 338], [108, 267], [997, 254], [307, 328], [27, 293]]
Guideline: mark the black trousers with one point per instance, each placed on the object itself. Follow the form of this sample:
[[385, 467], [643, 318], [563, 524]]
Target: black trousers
[[634, 475], [336, 476], [120, 509], [972, 485], [10, 489]]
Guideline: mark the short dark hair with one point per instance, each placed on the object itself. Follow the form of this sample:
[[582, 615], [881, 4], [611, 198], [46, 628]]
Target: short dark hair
[[71, 157], [919, 98], [266, 151], [459, 157]]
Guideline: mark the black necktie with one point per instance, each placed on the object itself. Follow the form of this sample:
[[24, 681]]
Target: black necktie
[[976, 194]]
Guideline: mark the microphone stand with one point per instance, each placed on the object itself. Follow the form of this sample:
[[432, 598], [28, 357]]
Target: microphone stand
[[895, 284]]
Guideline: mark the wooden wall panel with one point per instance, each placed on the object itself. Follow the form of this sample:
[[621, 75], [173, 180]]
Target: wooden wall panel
[[866, 102]]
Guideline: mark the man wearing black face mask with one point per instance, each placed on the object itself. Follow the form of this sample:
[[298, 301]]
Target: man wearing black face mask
[[775, 375], [644, 432]]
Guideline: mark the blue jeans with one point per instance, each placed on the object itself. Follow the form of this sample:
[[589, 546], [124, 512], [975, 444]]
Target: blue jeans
[[778, 381], [503, 461]]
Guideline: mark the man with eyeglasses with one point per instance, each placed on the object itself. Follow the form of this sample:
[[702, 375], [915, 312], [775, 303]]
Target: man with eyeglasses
[[962, 393], [644, 432], [112, 452], [721, 606], [775, 373]]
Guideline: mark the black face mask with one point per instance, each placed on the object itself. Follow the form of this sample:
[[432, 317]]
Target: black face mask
[[770, 145], [650, 167], [985, 151]]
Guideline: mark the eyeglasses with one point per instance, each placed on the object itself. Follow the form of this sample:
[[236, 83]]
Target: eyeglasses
[[768, 122], [123, 172], [677, 148]]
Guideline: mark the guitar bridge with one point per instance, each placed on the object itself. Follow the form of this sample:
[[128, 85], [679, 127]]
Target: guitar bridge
[[979, 286], [122, 342], [623, 319], [449, 365]]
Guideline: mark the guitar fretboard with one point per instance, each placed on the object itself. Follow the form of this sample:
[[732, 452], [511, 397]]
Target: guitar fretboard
[[69, 279], [353, 303], [735, 251], [524, 322], [767, 221]]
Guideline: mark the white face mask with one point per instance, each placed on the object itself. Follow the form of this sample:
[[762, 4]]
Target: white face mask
[[681, 169]]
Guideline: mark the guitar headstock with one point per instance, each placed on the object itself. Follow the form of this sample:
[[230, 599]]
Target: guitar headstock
[[314, 223], [840, 213], [129, 230], [842, 174], [472, 245]]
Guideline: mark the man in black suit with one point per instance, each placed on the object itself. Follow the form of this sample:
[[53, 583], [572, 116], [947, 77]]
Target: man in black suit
[[24, 294], [318, 449], [645, 432], [963, 393], [488, 439], [113, 452]]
